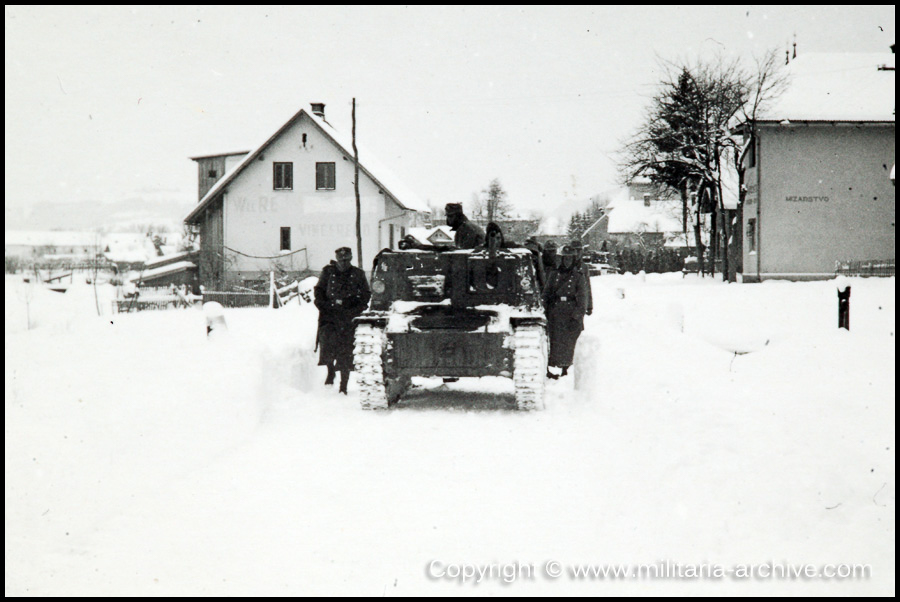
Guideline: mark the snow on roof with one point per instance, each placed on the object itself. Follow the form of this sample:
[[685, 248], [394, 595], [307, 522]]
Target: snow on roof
[[634, 216], [367, 163], [837, 87], [166, 269], [424, 235], [51, 238], [168, 257], [376, 170], [214, 155], [128, 255]]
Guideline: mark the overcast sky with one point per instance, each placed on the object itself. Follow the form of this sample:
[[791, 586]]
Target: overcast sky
[[109, 103]]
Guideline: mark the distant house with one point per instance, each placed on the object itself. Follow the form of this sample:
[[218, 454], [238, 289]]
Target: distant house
[[635, 217], [817, 165], [128, 250], [515, 229], [559, 239], [176, 268], [439, 236], [288, 204], [52, 245]]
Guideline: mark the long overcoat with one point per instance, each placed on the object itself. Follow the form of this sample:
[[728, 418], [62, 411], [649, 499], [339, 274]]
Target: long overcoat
[[565, 299], [340, 297]]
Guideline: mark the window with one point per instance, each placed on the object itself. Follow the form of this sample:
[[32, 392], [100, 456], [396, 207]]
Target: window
[[283, 176], [212, 173], [324, 176], [751, 235], [285, 239]]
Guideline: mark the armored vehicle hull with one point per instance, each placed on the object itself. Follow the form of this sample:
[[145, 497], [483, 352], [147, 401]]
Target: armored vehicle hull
[[452, 314]]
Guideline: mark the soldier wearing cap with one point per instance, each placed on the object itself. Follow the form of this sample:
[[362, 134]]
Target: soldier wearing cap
[[578, 248], [565, 299], [341, 294], [468, 235]]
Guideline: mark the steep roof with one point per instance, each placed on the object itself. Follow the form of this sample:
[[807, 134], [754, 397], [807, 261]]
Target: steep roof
[[163, 270], [214, 155], [386, 180], [634, 216], [847, 87]]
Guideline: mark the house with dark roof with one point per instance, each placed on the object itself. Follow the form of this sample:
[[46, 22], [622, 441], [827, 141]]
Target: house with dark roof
[[288, 204], [817, 182]]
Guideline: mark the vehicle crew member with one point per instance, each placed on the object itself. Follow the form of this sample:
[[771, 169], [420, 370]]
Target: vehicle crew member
[[468, 234], [341, 294]]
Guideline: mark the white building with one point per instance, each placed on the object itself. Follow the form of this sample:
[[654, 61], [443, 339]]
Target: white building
[[288, 204]]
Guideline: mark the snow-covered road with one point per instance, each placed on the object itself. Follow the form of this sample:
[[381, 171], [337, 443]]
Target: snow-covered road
[[143, 459]]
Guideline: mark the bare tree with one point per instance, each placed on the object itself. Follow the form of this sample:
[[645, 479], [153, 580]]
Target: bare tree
[[492, 204], [685, 142]]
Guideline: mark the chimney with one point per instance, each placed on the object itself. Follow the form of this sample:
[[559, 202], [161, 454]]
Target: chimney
[[318, 109]]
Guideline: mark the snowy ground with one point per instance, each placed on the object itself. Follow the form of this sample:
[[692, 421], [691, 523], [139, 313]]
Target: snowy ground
[[143, 459]]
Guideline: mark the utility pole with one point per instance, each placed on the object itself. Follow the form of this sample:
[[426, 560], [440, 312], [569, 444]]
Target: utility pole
[[359, 254]]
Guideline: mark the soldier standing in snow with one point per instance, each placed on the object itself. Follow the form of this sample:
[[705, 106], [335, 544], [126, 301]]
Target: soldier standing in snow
[[578, 247], [341, 294], [468, 234], [565, 298]]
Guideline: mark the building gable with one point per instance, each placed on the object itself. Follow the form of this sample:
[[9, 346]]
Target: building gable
[[388, 184]]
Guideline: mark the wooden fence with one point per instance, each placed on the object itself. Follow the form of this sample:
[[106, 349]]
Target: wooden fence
[[155, 298], [237, 299], [872, 267]]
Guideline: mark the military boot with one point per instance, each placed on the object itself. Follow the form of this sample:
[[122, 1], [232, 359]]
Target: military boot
[[345, 378]]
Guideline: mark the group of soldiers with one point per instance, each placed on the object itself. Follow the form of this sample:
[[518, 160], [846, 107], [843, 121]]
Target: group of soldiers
[[342, 293]]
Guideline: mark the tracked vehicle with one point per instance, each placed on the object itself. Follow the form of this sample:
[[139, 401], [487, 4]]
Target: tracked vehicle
[[458, 313]]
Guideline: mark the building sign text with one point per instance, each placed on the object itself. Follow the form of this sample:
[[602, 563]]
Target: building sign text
[[806, 199]]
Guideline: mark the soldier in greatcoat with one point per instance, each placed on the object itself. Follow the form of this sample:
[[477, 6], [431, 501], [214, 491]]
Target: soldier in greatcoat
[[565, 300], [550, 259], [341, 294], [582, 267]]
